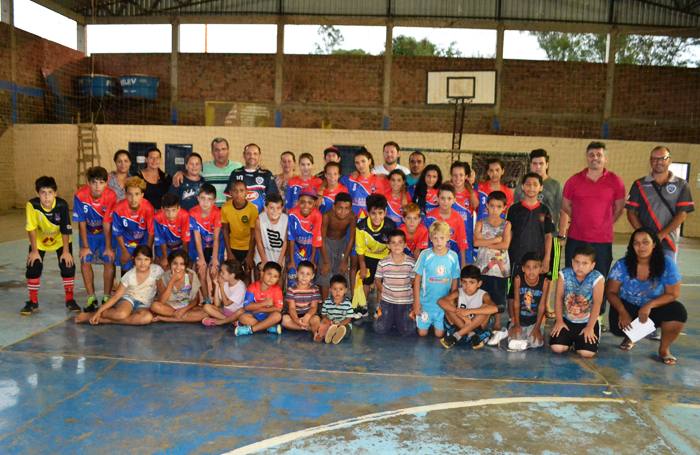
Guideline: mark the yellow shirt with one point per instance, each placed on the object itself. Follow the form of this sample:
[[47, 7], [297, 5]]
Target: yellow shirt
[[50, 225], [240, 222]]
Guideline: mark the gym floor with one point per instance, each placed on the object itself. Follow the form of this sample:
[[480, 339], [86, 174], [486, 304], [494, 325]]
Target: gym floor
[[187, 388]]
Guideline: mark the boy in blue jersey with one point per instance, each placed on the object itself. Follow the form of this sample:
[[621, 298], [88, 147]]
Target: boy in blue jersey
[[304, 224], [437, 274], [171, 228], [206, 246], [132, 222], [260, 182], [93, 205]]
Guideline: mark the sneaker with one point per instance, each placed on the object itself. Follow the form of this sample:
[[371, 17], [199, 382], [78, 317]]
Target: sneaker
[[243, 330], [277, 329], [448, 341], [105, 299], [331, 333], [29, 307], [476, 341], [91, 305], [209, 322], [656, 334], [72, 306], [339, 334], [498, 336], [361, 312]]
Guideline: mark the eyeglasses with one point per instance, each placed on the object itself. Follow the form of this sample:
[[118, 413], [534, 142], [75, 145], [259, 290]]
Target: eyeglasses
[[660, 159]]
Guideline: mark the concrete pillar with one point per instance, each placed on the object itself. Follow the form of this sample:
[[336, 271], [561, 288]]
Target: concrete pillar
[[386, 91], [279, 73], [5, 11], [81, 44], [610, 54], [500, 36], [173, 70]]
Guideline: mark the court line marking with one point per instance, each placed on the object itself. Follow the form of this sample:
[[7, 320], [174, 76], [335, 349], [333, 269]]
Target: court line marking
[[268, 443], [37, 333]]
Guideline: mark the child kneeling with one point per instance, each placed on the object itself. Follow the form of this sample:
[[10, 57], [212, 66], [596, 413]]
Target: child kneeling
[[467, 310], [531, 297], [337, 313], [302, 300], [263, 304]]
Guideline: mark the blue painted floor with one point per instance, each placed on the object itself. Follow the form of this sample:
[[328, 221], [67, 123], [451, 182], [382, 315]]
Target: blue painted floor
[[181, 388]]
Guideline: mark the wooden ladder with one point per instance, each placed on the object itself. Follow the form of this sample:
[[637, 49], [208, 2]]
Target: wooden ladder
[[88, 151]]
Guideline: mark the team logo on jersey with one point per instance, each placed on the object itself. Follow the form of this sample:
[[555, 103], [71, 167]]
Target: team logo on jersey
[[57, 217], [373, 188], [671, 188], [440, 270], [541, 217], [245, 218], [259, 180], [251, 196]]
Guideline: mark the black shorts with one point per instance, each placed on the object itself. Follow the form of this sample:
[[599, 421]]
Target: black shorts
[[371, 264], [34, 270], [496, 288], [573, 337], [240, 255], [671, 312]]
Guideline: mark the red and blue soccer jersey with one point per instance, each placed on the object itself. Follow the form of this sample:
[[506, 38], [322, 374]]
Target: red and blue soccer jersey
[[205, 227], [93, 212], [458, 236], [329, 197], [134, 228], [431, 198], [360, 188], [172, 233], [294, 187], [420, 240], [464, 208], [255, 295], [484, 189], [306, 234], [394, 208]]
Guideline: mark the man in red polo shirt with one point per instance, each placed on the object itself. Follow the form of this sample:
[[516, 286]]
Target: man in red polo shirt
[[594, 199]]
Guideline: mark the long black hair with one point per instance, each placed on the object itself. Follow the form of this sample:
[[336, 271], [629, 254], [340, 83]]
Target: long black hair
[[421, 192], [657, 261]]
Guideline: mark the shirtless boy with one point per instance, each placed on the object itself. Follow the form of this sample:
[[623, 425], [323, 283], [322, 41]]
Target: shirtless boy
[[338, 233]]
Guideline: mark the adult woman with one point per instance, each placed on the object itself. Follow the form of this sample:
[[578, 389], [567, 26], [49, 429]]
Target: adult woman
[[425, 192], [118, 177], [288, 162], [645, 284], [157, 182]]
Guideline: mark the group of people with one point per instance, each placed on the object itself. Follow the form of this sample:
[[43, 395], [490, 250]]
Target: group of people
[[219, 241]]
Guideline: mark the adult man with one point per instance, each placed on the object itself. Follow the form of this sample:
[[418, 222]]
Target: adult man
[[260, 182], [330, 155], [217, 171], [416, 162], [593, 199], [392, 151], [660, 201]]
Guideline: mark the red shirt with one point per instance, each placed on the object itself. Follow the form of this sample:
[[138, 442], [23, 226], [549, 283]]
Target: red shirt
[[255, 295], [172, 233], [458, 237], [420, 240], [485, 187], [593, 205]]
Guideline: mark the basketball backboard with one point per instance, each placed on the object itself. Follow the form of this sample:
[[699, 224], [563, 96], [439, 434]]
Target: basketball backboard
[[445, 87]]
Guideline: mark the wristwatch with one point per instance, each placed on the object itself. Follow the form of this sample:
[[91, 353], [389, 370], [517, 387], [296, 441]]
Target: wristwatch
[[561, 237]]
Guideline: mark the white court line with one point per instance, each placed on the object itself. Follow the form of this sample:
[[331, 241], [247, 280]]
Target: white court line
[[694, 285], [266, 444]]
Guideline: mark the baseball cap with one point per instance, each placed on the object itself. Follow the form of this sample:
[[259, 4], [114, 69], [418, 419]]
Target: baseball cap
[[331, 150], [308, 192]]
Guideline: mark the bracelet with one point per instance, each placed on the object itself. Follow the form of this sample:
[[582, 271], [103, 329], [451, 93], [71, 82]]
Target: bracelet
[[561, 237]]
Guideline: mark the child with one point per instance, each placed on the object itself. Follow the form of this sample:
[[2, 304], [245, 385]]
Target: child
[[49, 229], [305, 180], [178, 292], [417, 237], [229, 295], [394, 282], [238, 220], [263, 304], [468, 309], [337, 312], [134, 295], [495, 169], [492, 236], [371, 242], [425, 192], [304, 230], [458, 238], [577, 302], [338, 233], [397, 196], [271, 234], [93, 205], [205, 236], [132, 222], [171, 227], [531, 296], [302, 300], [331, 174], [466, 199], [532, 227], [437, 273], [188, 191]]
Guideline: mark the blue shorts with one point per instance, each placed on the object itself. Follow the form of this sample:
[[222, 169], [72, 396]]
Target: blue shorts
[[436, 318], [95, 243], [128, 265], [208, 253], [260, 316], [135, 304]]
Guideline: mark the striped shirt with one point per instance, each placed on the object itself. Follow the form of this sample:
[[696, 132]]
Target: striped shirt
[[302, 298], [337, 312], [396, 280]]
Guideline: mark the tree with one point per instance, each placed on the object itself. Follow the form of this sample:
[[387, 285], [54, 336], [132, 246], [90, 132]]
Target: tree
[[350, 52], [631, 49], [331, 37], [409, 46]]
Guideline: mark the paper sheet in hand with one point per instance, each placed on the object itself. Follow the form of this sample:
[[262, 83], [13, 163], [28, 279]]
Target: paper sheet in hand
[[639, 330]]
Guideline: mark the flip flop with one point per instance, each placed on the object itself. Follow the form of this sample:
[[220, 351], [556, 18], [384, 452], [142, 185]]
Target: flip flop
[[627, 345], [669, 360]]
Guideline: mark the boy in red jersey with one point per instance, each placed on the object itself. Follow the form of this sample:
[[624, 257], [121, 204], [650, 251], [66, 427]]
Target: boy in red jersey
[[263, 304], [93, 205], [132, 222], [206, 248], [458, 236], [417, 236], [304, 226], [172, 228]]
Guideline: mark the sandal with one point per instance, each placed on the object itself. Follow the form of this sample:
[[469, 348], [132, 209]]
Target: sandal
[[669, 360], [627, 345]]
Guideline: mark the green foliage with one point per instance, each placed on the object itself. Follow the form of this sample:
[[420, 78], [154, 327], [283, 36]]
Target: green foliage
[[631, 49], [331, 38], [409, 46], [350, 52]]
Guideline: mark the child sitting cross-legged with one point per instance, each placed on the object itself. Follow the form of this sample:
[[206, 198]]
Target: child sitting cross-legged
[[229, 295], [467, 309], [302, 300], [337, 313], [178, 292], [263, 303], [531, 292]]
